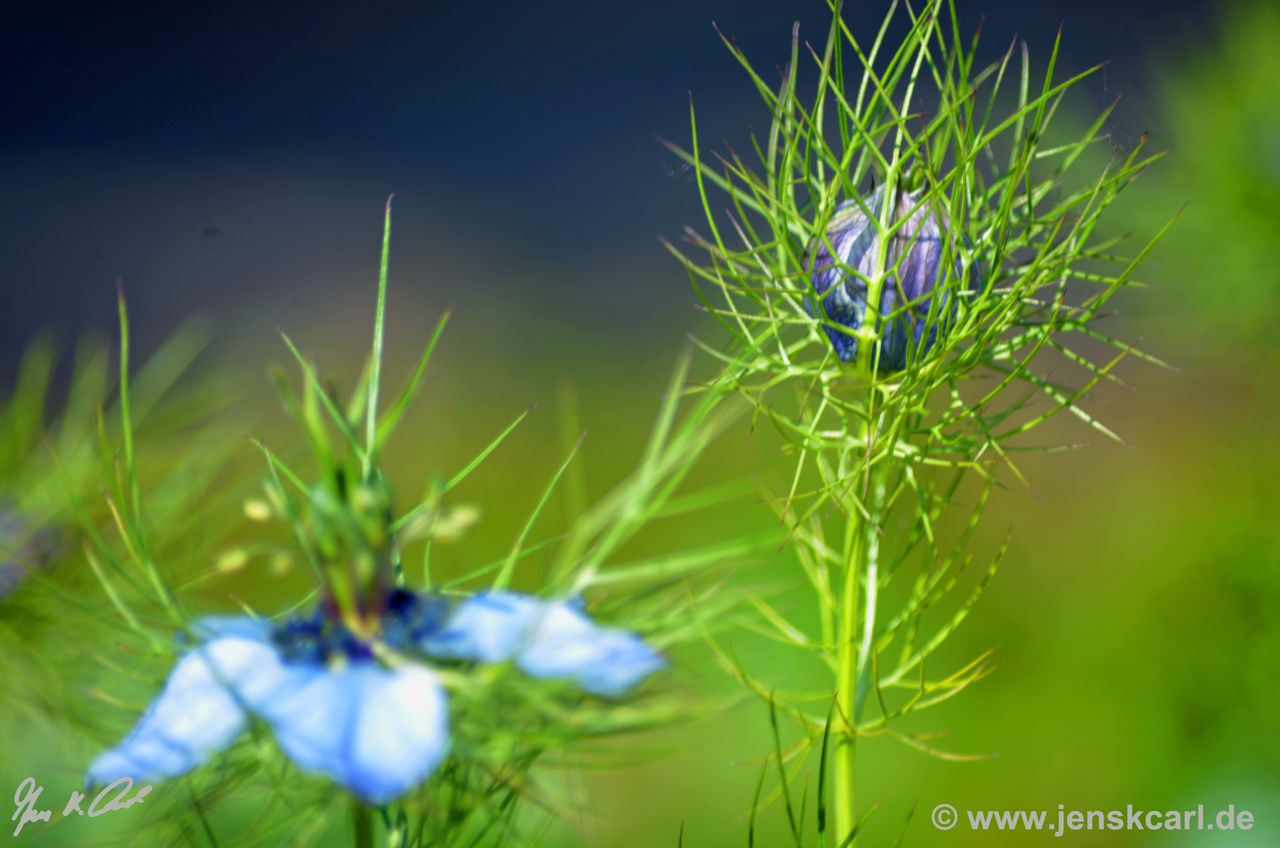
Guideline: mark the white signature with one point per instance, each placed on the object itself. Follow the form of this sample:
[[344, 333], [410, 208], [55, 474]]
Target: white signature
[[26, 800]]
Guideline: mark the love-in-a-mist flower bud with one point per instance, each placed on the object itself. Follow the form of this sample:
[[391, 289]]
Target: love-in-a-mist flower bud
[[913, 260]]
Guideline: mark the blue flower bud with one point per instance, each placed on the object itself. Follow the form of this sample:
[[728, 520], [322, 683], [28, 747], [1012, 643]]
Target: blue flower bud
[[915, 250]]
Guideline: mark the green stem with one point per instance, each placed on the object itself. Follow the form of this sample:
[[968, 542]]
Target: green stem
[[375, 379], [847, 653], [871, 585], [846, 682], [363, 825]]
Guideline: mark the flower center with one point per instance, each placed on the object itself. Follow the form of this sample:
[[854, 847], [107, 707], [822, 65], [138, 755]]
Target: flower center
[[318, 639]]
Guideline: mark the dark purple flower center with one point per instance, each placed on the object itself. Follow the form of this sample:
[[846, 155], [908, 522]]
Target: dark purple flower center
[[315, 638]]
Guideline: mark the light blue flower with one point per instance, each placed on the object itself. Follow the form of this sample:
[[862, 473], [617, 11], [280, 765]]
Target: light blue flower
[[376, 731], [546, 640]]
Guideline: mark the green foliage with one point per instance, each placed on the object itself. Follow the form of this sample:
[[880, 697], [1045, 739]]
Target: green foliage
[[54, 475], [885, 461]]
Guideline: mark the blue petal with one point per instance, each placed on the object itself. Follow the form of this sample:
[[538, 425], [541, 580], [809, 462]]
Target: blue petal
[[625, 660], [193, 718], [252, 669], [375, 731], [400, 733], [603, 661], [241, 626], [485, 628], [311, 712], [111, 765], [563, 642], [301, 702]]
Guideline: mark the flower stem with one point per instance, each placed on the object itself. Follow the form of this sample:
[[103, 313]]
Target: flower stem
[[847, 666], [846, 683], [363, 825]]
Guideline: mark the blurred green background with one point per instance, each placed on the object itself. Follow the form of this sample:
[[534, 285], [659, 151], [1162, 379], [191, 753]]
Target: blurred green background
[[1137, 613]]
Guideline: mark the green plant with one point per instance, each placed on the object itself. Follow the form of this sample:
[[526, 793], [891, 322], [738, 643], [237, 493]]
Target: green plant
[[1009, 279]]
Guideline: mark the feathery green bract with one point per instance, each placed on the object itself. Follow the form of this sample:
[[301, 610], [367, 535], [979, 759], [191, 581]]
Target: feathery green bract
[[880, 456]]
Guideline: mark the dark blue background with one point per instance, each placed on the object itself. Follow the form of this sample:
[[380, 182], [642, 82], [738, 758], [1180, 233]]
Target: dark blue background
[[519, 130]]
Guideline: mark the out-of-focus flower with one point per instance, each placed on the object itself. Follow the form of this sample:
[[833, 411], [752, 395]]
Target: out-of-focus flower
[[916, 251], [375, 730], [546, 640]]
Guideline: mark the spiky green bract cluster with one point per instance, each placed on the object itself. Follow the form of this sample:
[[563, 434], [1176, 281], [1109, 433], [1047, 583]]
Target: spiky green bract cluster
[[61, 471], [346, 528], [880, 456]]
